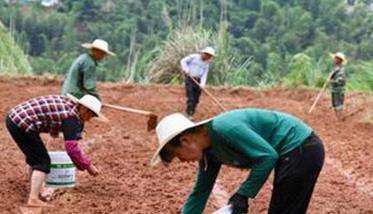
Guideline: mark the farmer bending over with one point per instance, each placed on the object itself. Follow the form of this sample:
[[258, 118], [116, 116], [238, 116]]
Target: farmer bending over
[[51, 114], [256, 139]]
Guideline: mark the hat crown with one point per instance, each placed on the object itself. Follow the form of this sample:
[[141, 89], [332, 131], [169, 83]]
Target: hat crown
[[340, 55], [91, 102], [209, 50], [172, 125], [100, 44]]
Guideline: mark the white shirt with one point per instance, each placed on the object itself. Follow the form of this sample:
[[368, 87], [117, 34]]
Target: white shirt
[[196, 67]]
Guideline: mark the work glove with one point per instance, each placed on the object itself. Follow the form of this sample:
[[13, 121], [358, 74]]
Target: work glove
[[239, 203]]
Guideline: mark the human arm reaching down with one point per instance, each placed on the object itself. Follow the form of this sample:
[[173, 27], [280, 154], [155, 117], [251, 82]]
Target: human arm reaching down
[[71, 128]]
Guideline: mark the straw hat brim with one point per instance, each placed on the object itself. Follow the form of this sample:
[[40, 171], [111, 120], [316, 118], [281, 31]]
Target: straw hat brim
[[156, 159], [207, 52], [213, 55], [90, 46], [100, 117], [344, 60]]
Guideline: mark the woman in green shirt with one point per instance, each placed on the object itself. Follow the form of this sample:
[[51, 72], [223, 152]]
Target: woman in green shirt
[[256, 139]]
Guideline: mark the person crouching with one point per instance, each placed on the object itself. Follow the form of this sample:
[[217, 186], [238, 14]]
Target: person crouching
[[51, 114], [256, 139]]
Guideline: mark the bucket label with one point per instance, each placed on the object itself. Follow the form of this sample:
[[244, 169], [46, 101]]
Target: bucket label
[[61, 175], [62, 166]]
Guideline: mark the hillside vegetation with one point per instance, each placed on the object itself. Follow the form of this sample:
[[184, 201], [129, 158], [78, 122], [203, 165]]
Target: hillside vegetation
[[259, 42], [12, 59]]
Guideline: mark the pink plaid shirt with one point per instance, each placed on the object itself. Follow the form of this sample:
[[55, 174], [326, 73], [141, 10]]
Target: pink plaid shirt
[[44, 113]]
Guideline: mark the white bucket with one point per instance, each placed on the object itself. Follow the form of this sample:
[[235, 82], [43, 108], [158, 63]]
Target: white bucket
[[225, 210], [62, 173]]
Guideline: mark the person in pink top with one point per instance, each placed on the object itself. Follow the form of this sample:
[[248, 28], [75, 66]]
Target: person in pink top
[[51, 114]]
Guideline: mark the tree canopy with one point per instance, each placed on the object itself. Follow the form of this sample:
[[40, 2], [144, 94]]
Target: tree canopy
[[266, 39]]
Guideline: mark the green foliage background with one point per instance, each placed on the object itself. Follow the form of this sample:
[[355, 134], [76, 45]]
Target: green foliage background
[[12, 59], [259, 42]]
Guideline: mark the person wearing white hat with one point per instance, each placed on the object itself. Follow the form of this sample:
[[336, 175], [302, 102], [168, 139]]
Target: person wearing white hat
[[51, 114], [196, 66], [256, 139], [81, 77], [337, 83]]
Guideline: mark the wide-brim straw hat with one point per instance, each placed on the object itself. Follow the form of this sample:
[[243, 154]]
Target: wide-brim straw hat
[[340, 56], [168, 128], [92, 103], [100, 45], [209, 50]]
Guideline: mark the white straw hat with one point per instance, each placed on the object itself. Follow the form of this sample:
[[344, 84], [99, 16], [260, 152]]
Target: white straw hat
[[340, 56], [168, 128], [92, 103], [99, 44], [209, 50]]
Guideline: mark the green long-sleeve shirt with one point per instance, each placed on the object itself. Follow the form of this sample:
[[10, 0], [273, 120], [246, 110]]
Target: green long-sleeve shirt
[[81, 77], [247, 138]]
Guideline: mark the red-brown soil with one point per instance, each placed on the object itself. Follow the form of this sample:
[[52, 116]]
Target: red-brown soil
[[122, 149]]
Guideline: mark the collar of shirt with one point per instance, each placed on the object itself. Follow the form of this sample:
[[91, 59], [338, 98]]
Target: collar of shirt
[[93, 59]]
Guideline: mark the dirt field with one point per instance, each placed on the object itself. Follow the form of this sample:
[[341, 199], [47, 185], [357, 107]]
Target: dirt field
[[122, 150]]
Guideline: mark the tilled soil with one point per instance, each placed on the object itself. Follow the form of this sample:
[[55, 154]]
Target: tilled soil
[[122, 149]]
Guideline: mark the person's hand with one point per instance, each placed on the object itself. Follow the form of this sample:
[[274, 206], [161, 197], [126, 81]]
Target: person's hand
[[92, 170], [331, 81], [240, 204], [186, 73]]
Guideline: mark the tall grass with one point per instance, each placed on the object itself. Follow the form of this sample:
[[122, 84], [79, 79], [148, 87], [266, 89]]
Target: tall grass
[[305, 71], [12, 59], [138, 70], [360, 76], [227, 67], [165, 67]]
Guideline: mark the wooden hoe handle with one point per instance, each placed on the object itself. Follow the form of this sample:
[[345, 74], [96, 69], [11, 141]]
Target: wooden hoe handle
[[126, 109], [209, 94]]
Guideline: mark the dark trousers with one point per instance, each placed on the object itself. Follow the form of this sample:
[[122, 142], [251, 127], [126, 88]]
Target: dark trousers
[[296, 174], [31, 145], [338, 100], [193, 92]]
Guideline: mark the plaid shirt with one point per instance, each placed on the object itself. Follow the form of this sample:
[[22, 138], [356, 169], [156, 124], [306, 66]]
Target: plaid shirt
[[44, 113]]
